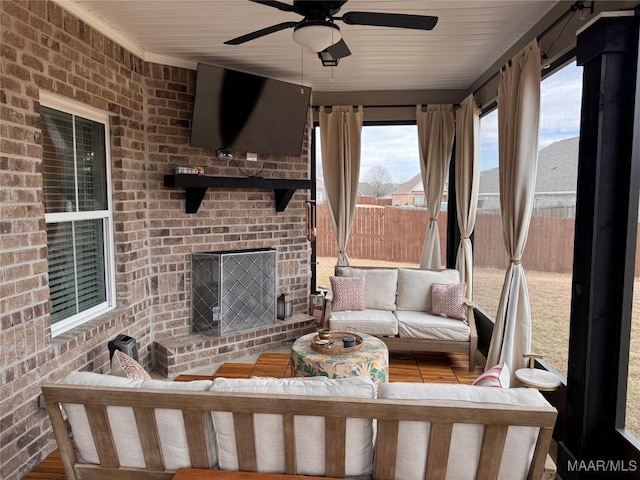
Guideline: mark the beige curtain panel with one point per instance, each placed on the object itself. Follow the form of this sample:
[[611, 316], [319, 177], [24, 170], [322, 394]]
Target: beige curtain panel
[[518, 119], [467, 166], [340, 132], [436, 128]]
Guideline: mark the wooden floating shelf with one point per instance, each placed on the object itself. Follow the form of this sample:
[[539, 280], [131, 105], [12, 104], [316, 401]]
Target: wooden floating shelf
[[196, 186]]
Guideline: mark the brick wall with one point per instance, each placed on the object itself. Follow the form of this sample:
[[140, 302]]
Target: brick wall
[[42, 47]]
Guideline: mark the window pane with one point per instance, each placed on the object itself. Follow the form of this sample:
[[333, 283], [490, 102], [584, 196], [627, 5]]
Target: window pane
[[61, 272], [58, 167], [489, 253], [391, 216], [76, 267], [548, 258], [89, 241], [91, 157]]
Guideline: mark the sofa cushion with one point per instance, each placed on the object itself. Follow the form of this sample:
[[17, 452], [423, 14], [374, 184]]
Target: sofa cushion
[[348, 293], [447, 300], [373, 322], [497, 376], [379, 287], [414, 287], [171, 428], [122, 365], [413, 437], [425, 326], [309, 430]]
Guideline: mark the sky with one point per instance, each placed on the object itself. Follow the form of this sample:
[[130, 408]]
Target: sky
[[396, 146]]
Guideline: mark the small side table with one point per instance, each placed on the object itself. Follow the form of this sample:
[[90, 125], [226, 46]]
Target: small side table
[[536, 378]]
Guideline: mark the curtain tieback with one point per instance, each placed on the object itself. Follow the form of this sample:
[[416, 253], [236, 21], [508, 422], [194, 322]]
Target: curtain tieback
[[432, 220], [516, 262], [465, 238]]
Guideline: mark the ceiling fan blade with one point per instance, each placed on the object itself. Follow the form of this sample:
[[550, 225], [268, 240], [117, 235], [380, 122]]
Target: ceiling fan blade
[[285, 7], [398, 20], [338, 50], [260, 33]]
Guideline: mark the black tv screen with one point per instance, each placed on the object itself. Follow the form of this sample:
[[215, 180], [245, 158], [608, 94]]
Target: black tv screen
[[240, 112]]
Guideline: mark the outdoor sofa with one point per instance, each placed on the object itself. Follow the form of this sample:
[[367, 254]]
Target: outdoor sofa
[[399, 307], [110, 427]]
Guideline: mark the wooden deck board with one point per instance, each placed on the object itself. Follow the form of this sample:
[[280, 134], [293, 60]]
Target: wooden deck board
[[50, 469], [403, 367], [271, 365], [234, 370]]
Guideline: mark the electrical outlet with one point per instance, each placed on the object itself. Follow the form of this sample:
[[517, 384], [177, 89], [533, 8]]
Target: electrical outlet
[[252, 157]]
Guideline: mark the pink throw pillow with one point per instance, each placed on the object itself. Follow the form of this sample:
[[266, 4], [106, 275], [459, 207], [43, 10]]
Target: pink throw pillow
[[122, 365], [348, 293], [447, 300], [497, 377]]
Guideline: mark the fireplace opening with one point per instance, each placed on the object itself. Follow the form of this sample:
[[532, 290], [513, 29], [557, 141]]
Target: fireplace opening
[[233, 291]]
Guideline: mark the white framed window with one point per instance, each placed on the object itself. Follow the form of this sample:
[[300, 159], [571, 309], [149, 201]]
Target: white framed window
[[78, 212]]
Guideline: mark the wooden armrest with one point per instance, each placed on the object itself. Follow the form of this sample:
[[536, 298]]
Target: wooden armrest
[[469, 303]]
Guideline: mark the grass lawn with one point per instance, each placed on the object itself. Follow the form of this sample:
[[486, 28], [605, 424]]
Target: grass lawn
[[550, 295]]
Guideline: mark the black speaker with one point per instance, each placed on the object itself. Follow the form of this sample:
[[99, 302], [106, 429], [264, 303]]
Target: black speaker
[[125, 344]]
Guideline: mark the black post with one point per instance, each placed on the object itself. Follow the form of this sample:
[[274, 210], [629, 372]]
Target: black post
[[604, 249]]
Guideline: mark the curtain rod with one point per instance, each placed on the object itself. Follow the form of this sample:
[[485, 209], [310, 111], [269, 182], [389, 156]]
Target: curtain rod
[[317, 107], [570, 11]]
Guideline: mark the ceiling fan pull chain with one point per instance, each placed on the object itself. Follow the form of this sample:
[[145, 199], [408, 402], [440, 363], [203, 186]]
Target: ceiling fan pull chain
[[301, 70]]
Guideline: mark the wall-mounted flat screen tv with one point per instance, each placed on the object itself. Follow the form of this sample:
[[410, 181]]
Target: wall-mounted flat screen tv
[[240, 112]]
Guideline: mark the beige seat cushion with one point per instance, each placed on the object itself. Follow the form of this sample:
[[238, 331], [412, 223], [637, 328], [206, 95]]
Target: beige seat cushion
[[414, 287], [373, 322], [421, 325], [380, 286], [171, 429], [309, 431], [413, 437]]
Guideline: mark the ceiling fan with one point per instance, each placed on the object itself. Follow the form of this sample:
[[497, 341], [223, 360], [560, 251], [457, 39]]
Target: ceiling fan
[[318, 32]]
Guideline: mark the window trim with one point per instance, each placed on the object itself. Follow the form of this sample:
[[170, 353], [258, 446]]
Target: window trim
[[80, 110]]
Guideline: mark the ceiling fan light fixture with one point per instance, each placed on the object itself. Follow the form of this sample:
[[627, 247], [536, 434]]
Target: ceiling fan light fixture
[[316, 36], [327, 59]]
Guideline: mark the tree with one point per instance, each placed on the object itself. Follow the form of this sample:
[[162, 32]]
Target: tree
[[379, 181]]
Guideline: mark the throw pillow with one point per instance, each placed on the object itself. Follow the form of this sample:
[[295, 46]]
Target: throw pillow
[[122, 365], [447, 300], [348, 293], [497, 376]]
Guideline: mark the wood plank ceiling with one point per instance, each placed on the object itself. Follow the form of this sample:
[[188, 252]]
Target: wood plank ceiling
[[469, 37]]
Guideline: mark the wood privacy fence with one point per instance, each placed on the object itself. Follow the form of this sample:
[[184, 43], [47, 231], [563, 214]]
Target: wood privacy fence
[[396, 234]]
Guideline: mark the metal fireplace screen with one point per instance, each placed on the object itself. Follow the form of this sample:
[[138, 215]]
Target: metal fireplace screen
[[233, 291]]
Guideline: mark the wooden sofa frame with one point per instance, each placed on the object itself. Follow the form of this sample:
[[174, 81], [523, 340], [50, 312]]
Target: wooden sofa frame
[[397, 344], [195, 406]]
